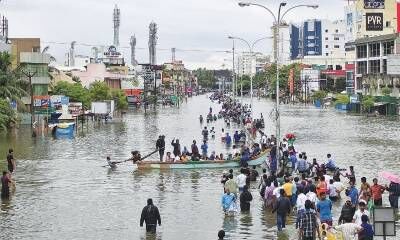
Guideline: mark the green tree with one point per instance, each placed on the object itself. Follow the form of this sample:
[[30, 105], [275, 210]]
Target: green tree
[[205, 77], [8, 116], [121, 101], [99, 91], [75, 91], [11, 84], [367, 103]]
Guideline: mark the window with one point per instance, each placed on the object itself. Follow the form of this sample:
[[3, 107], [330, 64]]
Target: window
[[326, 30], [374, 66], [338, 67], [326, 46], [362, 51], [326, 54], [387, 24], [336, 38], [388, 48], [384, 66], [362, 67], [374, 50], [336, 31], [326, 38], [336, 46]]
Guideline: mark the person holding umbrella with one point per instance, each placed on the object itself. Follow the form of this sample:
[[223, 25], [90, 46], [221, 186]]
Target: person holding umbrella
[[393, 188]]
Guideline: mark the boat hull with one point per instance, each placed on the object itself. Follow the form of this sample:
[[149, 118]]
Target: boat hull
[[199, 164]]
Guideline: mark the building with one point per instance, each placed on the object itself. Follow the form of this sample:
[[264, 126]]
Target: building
[[252, 63], [223, 79], [20, 45], [319, 42], [372, 63]]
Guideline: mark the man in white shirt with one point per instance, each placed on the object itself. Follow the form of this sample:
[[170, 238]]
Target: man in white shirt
[[301, 200], [361, 211], [241, 180], [349, 230], [312, 196]]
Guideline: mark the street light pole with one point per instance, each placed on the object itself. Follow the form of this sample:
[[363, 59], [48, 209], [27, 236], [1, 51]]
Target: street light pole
[[233, 70], [277, 22]]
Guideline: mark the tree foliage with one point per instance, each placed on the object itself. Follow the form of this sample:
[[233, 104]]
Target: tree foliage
[[7, 115], [205, 77], [11, 84], [98, 91]]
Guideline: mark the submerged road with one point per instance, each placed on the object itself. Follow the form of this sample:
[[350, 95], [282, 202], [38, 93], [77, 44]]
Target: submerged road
[[63, 192]]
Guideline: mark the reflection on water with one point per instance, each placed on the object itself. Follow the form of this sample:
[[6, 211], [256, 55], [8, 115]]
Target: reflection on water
[[63, 192]]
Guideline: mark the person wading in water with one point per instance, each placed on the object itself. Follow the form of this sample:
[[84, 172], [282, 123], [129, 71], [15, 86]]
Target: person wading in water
[[151, 216], [160, 146], [11, 160]]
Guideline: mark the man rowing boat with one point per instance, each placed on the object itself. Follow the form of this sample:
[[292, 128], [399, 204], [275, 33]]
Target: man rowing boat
[[135, 157]]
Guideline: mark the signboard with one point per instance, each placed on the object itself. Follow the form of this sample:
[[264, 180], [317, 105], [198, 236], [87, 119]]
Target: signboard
[[350, 83], [374, 21], [384, 221], [374, 4], [41, 101], [393, 64], [58, 100]]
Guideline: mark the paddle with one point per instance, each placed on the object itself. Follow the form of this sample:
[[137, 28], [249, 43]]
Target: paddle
[[148, 155]]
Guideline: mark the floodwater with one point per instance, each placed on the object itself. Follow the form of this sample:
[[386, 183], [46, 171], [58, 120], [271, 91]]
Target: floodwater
[[64, 192]]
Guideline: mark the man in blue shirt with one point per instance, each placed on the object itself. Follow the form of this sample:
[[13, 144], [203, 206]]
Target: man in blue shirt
[[324, 208], [330, 165], [236, 137], [352, 192], [204, 148], [228, 140]]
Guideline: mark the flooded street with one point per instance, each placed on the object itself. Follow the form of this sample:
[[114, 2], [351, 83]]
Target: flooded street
[[64, 192]]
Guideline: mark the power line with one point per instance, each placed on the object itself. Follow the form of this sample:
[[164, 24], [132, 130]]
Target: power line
[[140, 48]]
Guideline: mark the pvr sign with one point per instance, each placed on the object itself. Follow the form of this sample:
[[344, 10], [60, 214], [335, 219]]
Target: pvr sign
[[374, 21]]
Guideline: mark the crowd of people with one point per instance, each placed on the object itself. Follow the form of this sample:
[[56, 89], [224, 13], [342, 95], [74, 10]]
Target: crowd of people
[[308, 191]]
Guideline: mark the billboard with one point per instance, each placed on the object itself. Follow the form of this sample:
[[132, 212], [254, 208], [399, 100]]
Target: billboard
[[374, 21], [398, 15], [374, 4], [393, 64]]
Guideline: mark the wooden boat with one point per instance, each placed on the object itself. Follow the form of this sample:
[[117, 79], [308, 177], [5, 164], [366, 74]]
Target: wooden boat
[[200, 164]]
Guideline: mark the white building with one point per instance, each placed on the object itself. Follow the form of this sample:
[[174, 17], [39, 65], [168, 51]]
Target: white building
[[251, 63]]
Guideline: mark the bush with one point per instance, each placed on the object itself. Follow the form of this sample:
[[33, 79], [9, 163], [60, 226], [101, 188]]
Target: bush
[[368, 103], [386, 91], [342, 99], [319, 95]]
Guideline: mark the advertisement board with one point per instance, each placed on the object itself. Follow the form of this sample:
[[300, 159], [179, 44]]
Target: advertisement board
[[374, 4], [374, 21], [393, 64], [41, 101]]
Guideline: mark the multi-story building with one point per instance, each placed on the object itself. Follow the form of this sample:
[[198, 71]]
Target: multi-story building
[[251, 63], [319, 42], [19, 45], [4, 45]]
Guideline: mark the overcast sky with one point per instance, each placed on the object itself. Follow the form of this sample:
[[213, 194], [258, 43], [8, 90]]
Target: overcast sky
[[183, 24]]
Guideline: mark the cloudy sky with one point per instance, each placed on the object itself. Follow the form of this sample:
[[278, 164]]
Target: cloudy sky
[[184, 24]]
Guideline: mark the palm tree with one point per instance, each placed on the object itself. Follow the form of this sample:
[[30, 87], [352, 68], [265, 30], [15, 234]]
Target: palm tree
[[11, 85]]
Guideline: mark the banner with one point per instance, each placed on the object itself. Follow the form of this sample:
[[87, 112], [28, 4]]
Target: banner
[[374, 21], [374, 4], [291, 81]]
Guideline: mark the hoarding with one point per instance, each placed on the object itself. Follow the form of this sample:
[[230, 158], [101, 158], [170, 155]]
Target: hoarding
[[393, 64], [374, 4], [374, 21], [398, 15]]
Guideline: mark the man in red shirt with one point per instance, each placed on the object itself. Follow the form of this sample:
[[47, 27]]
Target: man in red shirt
[[377, 191]]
